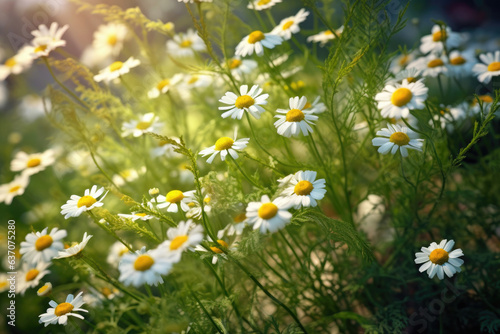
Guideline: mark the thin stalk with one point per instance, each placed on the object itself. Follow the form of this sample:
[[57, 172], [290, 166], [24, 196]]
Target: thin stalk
[[244, 174]]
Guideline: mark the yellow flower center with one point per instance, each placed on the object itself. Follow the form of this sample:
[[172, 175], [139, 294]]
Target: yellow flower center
[[178, 241], [235, 63], [162, 84], [486, 98], [11, 62], [459, 60], [239, 218], [267, 210], [115, 66], [63, 308], [193, 79], [33, 162], [303, 188], [122, 252], [435, 63], [175, 196], [255, 37], [287, 25], [143, 262], [3, 284], [207, 200], [40, 48], [399, 138], [439, 36], [308, 105], [411, 79], [439, 256], [328, 32], [31, 275], [43, 242], [143, 125], [112, 39], [403, 60], [263, 2], [217, 250], [297, 85], [244, 101], [186, 43], [43, 289], [494, 66], [224, 143], [14, 189], [106, 292], [140, 214], [87, 201], [401, 97], [294, 115]]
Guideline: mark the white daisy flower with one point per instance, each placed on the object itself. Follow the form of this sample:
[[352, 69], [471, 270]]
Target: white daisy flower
[[76, 249], [410, 74], [396, 137], [238, 224], [42, 247], [431, 65], [14, 188], [30, 164], [193, 81], [399, 62], [136, 215], [255, 42], [487, 102], [174, 199], [185, 45], [147, 123], [325, 36], [296, 119], [109, 38], [250, 101], [316, 107], [490, 67], [195, 208], [128, 175], [76, 205], [396, 101], [225, 146], [215, 248], [18, 63], [461, 63], [29, 276], [302, 189], [185, 236], [290, 25], [115, 253], [164, 86], [262, 4], [45, 290], [437, 259], [47, 39], [144, 267], [116, 70], [449, 116], [58, 313], [240, 67], [434, 42], [268, 216]]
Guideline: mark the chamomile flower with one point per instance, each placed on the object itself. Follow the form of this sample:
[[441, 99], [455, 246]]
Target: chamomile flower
[[438, 38], [18, 63], [240, 67], [449, 116], [185, 45], [437, 259], [399, 62], [249, 101], [410, 74], [128, 175], [302, 189], [461, 63], [262, 4], [147, 123], [225, 146], [164, 86], [396, 101], [396, 137], [45, 290], [174, 199], [238, 225], [47, 39], [489, 68], [30, 276], [290, 25], [136, 215], [431, 65], [109, 38], [316, 107], [14, 188], [116, 70], [42, 247], [325, 36], [76, 249], [486, 101], [268, 216], [30, 164], [216, 247], [76, 205], [256, 41], [144, 267], [295, 119], [185, 235], [115, 253], [193, 81], [59, 313]]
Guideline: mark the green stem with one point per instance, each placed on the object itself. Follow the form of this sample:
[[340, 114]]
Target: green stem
[[243, 173]]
